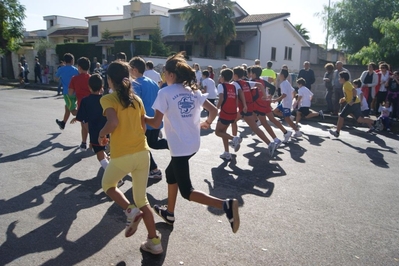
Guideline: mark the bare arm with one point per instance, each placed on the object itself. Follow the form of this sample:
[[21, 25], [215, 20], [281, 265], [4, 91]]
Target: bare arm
[[212, 113], [109, 127], [155, 121]]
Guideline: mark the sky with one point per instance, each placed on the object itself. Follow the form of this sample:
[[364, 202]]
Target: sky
[[300, 12]]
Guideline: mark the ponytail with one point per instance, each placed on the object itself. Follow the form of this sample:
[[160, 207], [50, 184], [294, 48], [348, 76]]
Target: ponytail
[[185, 74]]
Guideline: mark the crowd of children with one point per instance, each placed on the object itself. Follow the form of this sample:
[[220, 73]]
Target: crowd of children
[[130, 116]]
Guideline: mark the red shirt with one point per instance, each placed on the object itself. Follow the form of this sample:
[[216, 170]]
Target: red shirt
[[246, 89], [260, 105], [228, 108], [80, 84]]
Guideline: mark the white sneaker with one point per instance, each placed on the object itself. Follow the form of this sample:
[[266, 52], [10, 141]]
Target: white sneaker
[[236, 143], [272, 148], [225, 156], [297, 134], [134, 216], [149, 246], [278, 143], [287, 136]]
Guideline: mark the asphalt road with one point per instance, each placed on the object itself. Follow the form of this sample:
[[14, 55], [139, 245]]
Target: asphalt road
[[318, 201]]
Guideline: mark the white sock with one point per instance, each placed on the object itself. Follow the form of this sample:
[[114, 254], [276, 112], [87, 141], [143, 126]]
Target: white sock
[[104, 163]]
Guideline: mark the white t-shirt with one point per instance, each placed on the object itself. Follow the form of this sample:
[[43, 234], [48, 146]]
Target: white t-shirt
[[384, 78], [210, 88], [306, 95], [198, 76], [152, 74], [181, 107], [221, 90], [363, 104], [286, 89]]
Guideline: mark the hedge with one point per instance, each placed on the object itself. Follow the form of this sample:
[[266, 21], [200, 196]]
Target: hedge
[[78, 50], [140, 47]]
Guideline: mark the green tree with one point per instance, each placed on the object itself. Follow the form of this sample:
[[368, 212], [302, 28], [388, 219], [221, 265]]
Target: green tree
[[42, 45], [106, 35], [210, 22], [12, 14], [385, 48], [351, 21], [158, 46], [303, 31]]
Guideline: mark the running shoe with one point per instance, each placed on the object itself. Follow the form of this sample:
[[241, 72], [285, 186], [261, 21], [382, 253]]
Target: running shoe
[[156, 174], [287, 136], [61, 124], [278, 143], [272, 148], [152, 245], [236, 143], [321, 114], [134, 216], [230, 207], [83, 147], [225, 156], [162, 212], [297, 134], [334, 133]]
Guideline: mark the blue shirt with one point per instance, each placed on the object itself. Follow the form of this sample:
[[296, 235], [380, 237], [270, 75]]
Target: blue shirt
[[147, 90], [65, 73]]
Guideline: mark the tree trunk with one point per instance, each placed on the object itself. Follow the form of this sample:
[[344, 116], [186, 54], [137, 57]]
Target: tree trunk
[[211, 53], [9, 70]]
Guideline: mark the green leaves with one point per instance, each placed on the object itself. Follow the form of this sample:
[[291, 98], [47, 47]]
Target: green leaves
[[12, 14]]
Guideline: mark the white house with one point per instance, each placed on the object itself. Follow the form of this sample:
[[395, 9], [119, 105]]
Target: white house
[[261, 36], [61, 29]]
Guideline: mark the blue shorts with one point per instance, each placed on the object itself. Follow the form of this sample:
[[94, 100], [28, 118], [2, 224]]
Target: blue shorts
[[286, 111]]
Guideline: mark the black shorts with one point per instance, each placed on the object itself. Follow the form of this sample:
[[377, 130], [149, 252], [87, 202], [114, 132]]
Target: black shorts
[[246, 114], [353, 109], [225, 121], [97, 148], [260, 113], [304, 110]]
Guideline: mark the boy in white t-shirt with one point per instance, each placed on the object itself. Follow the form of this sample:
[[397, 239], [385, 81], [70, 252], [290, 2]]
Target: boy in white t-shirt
[[304, 101], [284, 108], [364, 106], [208, 86]]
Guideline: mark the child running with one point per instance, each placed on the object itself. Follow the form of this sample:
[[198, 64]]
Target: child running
[[79, 88], [130, 153], [284, 108], [247, 114], [352, 106], [304, 101], [228, 103], [263, 107], [180, 104]]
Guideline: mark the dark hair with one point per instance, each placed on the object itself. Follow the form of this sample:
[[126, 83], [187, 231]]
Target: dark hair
[[384, 65], [138, 63], [68, 58], [184, 73], [358, 83], [374, 65], [329, 67], [301, 81], [239, 71], [257, 70], [249, 70], [118, 73], [205, 73], [284, 72], [95, 82], [227, 74], [344, 75], [149, 64], [269, 63], [121, 55], [84, 63]]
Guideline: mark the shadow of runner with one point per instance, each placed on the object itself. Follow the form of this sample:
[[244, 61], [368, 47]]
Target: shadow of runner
[[34, 196], [53, 234]]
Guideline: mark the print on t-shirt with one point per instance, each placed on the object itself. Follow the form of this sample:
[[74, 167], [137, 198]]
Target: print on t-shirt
[[186, 104]]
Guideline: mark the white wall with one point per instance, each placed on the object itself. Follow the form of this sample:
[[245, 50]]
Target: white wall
[[69, 22], [176, 25]]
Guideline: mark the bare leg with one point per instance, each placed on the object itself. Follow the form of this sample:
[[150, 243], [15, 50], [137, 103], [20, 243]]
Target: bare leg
[[266, 125], [148, 218], [220, 131], [252, 124], [201, 197], [290, 123], [340, 124], [67, 113], [84, 132], [172, 196], [276, 122], [116, 195]]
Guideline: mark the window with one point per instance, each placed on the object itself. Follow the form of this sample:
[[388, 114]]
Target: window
[[233, 50], [273, 55], [188, 48], [51, 23], [136, 37], [80, 40], [67, 40], [288, 53], [94, 31]]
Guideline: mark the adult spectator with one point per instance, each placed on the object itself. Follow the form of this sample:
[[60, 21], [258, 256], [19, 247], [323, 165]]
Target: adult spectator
[[383, 78], [269, 72], [328, 79], [121, 56], [93, 65], [257, 62], [393, 94], [152, 74], [337, 86], [369, 80], [38, 71], [307, 74]]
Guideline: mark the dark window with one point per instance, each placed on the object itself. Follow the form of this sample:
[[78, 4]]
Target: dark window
[[288, 53], [51, 23], [67, 40], [273, 55], [188, 48], [136, 37], [94, 31], [80, 40], [233, 50]]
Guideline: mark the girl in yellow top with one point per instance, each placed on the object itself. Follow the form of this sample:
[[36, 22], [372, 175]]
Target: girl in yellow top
[[130, 152], [352, 106]]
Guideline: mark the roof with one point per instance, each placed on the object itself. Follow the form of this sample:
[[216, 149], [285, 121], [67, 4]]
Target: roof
[[71, 32], [240, 36], [259, 18]]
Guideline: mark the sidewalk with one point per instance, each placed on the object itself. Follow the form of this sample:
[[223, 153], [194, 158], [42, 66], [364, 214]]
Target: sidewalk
[[331, 119]]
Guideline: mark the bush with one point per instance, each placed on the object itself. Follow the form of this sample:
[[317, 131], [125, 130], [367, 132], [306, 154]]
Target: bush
[[140, 47], [78, 50]]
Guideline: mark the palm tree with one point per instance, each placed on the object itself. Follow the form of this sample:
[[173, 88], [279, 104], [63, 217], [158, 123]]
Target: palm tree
[[303, 31], [210, 22]]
